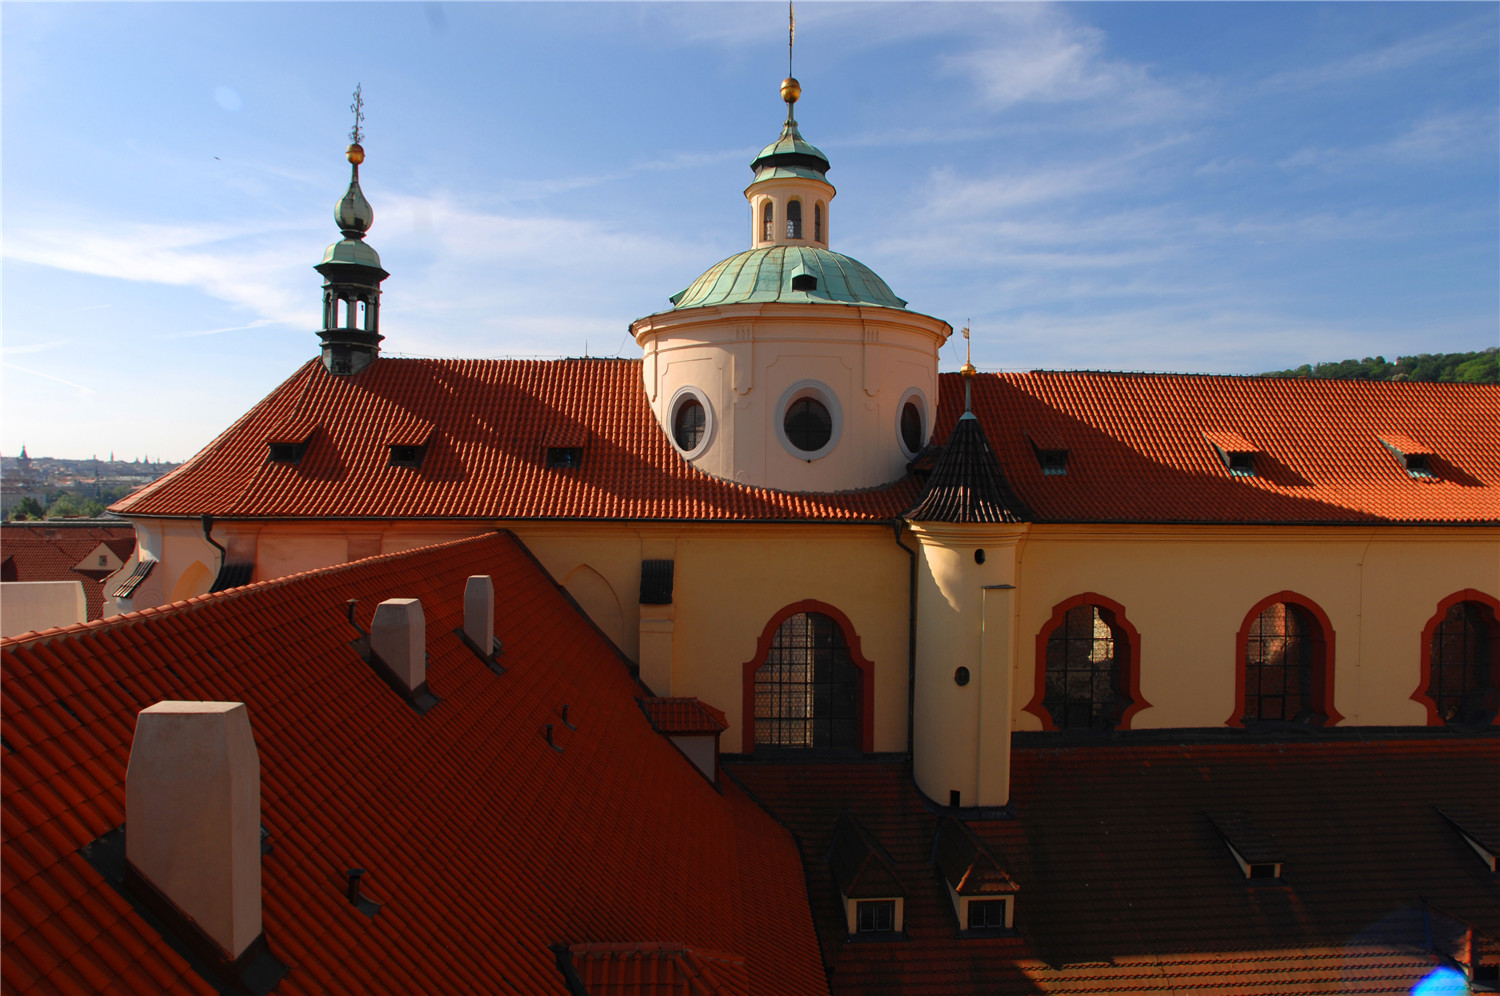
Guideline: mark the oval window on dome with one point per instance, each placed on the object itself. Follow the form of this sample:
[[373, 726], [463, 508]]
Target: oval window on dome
[[911, 426], [688, 424], [808, 424]]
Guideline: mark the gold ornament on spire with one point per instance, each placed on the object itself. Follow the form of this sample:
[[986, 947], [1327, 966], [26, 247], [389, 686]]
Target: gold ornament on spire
[[968, 369], [356, 152], [790, 88]]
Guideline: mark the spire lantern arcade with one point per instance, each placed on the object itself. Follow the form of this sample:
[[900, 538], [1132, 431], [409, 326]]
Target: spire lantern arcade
[[790, 194], [352, 273]]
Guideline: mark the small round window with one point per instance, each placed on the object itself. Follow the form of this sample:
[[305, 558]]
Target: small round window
[[911, 426], [689, 424], [808, 424]]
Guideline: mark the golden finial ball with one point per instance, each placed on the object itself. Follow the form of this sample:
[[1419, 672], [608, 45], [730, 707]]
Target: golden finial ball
[[356, 153], [968, 370], [790, 89]]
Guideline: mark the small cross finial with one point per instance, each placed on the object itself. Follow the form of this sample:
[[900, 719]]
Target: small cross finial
[[357, 134]]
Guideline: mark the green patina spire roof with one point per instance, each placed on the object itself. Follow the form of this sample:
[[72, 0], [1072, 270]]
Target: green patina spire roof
[[353, 213], [791, 154]]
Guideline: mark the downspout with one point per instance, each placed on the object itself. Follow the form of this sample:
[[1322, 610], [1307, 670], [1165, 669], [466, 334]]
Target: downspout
[[208, 525], [911, 639]]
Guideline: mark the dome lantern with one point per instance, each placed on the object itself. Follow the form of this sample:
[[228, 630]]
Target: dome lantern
[[352, 273]]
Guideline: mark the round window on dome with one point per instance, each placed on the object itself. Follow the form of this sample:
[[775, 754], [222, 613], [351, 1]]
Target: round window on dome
[[911, 427], [808, 424], [689, 423]]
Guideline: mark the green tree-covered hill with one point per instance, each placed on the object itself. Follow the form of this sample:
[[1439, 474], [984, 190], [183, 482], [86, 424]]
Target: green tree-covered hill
[[1464, 368]]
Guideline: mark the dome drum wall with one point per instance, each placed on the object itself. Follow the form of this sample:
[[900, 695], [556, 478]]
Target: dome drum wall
[[750, 365]]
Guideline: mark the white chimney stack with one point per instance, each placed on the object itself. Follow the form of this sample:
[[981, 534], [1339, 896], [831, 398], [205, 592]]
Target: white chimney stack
[[398, 636], [479, 612], [192, 815]]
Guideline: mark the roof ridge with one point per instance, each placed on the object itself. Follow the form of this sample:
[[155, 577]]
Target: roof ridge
[[110, 623]]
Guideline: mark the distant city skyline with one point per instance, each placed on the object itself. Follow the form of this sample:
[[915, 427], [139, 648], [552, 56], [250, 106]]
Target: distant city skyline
[[1220, 188]]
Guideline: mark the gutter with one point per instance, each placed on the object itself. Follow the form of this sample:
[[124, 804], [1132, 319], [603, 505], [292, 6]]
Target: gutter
[[208, 525]]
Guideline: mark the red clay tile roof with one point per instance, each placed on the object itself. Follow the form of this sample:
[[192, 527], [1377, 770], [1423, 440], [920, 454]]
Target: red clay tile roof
[[683, 715], [1125, 885], [658, 970], [495, 420], [485, 846], [1136, 442], [1137, 451], [48, 552]]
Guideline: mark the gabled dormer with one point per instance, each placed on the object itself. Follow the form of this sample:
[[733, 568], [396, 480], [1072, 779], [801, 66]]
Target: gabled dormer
[[982, 894], [1256, 852], [872, 897]]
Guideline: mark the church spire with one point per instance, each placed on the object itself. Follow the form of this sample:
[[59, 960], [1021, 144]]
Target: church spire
[[352, 272]]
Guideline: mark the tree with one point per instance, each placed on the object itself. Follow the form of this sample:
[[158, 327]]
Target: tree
[[27, 508]]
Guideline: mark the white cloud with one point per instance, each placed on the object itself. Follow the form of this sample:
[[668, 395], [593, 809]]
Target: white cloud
[[1439, 45]]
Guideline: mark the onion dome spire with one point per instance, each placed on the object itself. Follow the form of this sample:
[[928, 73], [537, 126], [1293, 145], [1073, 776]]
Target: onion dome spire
[[352, 272]]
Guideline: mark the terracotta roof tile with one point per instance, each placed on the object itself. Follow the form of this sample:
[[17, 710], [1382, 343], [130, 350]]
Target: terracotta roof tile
[[1135, 441], [1125, 885], [48, 552], [683, 715], [521, 847]]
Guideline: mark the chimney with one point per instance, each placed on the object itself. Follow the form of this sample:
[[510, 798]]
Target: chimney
[[192, 816], [398, 636], [479, 612]]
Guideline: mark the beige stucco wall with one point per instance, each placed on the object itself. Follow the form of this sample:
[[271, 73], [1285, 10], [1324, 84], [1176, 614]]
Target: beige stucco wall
[[36, 605], [1186, 590]]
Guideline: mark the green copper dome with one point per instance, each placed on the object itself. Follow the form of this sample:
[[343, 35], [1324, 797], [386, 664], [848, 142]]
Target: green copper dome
[[353, 213], [788, 274], [352, 251]]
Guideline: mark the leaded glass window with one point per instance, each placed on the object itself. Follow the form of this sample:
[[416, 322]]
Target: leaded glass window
[[688, 426], [1461, 661], [1279, 665], [807, 424], [794, 220], [1086, 656], [768, 224], [807, 691]]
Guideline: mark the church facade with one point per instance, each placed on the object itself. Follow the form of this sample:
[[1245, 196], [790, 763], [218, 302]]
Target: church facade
[[784, 510]]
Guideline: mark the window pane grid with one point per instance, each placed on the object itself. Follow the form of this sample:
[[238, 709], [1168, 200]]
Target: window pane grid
[[1460, 660], [1278, 666], [807, 691], [1083, 671]]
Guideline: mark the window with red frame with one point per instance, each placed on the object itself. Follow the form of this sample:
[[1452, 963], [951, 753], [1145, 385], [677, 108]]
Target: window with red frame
[[1279, 657], [1461, 681], [807, 692], [1087, 653]]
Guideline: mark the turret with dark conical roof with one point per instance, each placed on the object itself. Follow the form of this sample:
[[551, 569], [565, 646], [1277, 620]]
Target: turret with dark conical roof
[[352, 274]]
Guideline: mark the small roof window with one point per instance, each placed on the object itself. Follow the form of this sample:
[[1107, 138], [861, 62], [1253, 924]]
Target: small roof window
[[873, 898], [1235, 451], [564, 457], [1051, 452], [1479, 833], [1410, 454], [983, 895], [1254, 850], [407, 456]]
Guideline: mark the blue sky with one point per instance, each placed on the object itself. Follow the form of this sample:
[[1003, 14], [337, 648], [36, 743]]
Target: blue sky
[[1217, 187]]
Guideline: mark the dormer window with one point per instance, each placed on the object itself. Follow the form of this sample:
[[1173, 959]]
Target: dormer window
[[1410, 454], [407, 456], [804, 282], [874, 916], [1235, 451], [794, 220], [1479, 833], [1051, 452], [1254, 850], [768, 222], [287, 452], [983, 895], [872, 897], [564, 457]]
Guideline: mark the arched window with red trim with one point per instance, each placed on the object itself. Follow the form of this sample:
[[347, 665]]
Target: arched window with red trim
[[1088, 667], [1284, 664], [809, 686], [1461, 670]]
